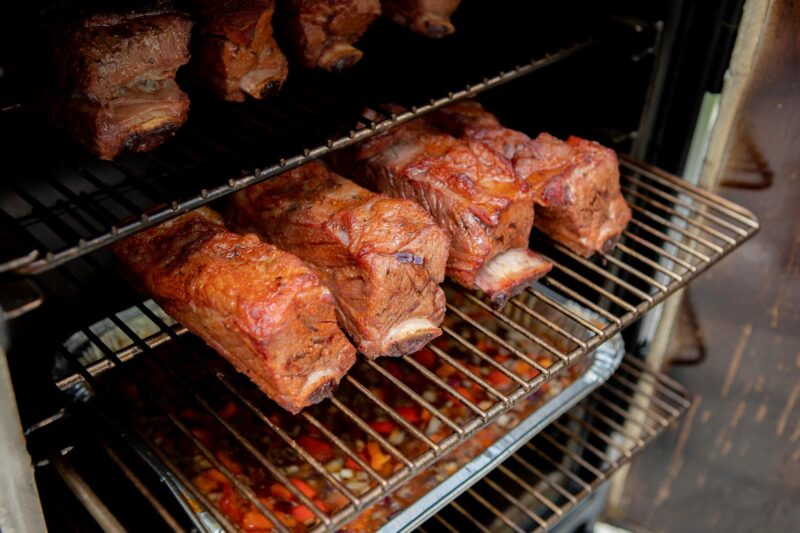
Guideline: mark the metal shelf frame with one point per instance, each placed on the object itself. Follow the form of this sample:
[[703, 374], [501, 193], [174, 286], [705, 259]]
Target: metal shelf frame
[[678, 231]]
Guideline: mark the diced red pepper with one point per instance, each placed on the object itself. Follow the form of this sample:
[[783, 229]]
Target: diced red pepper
[[321, 505], [498, 379], [425, 357], [383, 427], [319, 449], [279, 491], [229, 410], [466, 393], [303, 514], [303, 487], [231, 503], [410, 414], [255, 521], [352, 465]]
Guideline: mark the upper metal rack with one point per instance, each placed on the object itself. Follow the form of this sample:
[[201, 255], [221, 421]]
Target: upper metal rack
[[58, 203]]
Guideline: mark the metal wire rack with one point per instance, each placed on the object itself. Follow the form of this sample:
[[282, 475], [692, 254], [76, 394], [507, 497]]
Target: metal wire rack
[[487, 362], [564, 464], [72, 204]]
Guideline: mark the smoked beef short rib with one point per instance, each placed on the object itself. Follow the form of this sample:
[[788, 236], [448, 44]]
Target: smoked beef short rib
[[383, 258], [115, 87], [575, 183], [470, 191], [323, 31], [261, 308], [235, 52], [428, 17]]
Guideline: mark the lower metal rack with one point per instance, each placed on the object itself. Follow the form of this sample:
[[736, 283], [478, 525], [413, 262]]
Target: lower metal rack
[[548, 477], [487, 362]]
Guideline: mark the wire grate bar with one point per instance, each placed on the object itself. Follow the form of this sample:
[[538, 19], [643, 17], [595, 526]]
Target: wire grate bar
[[666, 238], [709, 199], [696, 222], [688, 235]]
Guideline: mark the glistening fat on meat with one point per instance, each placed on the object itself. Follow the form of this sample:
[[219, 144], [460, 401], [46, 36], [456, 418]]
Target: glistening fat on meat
[[235, 51], [383, 258], [261, 308], [115, 89], [323, 31], [469, 190], [575, 183]]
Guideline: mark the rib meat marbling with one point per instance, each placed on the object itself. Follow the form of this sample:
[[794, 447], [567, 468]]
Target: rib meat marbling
[[383, 258], [261, 308], [575, 183], [470, 191]]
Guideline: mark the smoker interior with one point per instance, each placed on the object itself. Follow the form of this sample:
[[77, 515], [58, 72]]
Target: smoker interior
[[572, 68]]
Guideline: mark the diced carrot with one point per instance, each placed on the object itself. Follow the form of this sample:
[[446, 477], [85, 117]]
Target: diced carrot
[[303, 514], [303, 487], [352, 465], [218, 476], [229, 410], [425, 415], [425, 357], [521, 368], [279, 491], [411, 414], [445, 371], [319, 449], [255, 521], [207, 482], [498, 379], [229, 462], [376, 457], [383, 427], [546, 362]]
